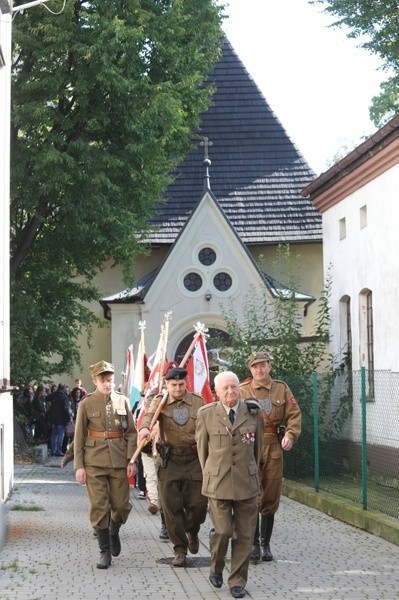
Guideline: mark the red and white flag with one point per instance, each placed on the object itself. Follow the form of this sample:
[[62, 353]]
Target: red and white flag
[[129, 371], [198, 371]]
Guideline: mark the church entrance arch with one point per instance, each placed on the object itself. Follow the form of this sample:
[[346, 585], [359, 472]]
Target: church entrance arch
[[215, 343]]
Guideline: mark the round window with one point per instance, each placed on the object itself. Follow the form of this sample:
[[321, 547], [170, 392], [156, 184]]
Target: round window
[[222, 282], [207, 256], [192, 282]]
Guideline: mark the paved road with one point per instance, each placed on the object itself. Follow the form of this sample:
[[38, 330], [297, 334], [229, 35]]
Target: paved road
[[50, 554]]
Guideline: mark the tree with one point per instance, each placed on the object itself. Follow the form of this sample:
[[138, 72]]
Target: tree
[[376, 26], [105, 97]]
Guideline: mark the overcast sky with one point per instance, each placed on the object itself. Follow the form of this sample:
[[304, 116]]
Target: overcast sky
[[318, 83]]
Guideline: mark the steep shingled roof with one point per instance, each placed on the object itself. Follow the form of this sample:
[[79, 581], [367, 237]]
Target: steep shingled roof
[[257, 173]]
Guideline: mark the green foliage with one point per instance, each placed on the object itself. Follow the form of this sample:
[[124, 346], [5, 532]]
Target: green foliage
[[375, 25], [105, 97], [275, 327]]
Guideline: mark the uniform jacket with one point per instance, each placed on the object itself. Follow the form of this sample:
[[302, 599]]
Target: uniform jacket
[[184, 410], [229, 454], [280, 406], [104, 413]]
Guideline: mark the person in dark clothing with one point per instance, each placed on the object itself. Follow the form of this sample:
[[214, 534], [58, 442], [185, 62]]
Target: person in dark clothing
[[39, 406], [58, 416]]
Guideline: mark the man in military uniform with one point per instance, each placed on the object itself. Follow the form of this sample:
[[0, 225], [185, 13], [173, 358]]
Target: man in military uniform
[[179, 475], [105, 439], [279, 409], [229, 439]]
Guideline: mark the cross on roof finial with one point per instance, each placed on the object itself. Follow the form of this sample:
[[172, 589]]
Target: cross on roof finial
[[206, 142]]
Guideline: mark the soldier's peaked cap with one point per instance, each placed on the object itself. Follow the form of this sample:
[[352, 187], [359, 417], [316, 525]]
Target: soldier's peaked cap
[[101, 367], [176, 373], [258, 357]]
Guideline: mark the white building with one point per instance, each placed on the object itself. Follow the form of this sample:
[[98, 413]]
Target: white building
[[6, 405], [359, 201]]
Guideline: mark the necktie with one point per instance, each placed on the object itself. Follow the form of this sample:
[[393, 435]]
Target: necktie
[[232, 416]]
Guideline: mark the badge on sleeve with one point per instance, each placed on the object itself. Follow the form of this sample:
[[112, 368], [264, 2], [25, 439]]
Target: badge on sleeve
[[293, 401]]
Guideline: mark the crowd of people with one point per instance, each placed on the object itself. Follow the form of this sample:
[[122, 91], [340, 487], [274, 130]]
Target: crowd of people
[[50, 413], [225, 457]]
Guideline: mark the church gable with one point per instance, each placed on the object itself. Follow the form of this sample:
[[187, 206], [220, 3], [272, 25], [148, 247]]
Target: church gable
[[205, 268]]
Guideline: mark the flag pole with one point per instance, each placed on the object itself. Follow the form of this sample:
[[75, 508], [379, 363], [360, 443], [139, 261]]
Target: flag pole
[[142, 327], [165, 334], [200, 330]]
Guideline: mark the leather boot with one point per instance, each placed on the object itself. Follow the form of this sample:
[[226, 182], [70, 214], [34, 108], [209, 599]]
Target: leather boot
[[266, 528], [255, 550], [114, 539], [105, 551], [164, 535]]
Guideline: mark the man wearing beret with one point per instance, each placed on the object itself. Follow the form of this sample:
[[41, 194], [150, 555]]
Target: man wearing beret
[[279, 409], [105, 439], [179, 475], [229, 438]]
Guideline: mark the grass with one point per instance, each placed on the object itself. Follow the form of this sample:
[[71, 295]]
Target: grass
[[26, 507], [12, 566]]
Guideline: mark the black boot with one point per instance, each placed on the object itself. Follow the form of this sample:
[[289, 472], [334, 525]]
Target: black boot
[[255, 550], [164, 535], [105, 552], [266, 528], [114, 538]]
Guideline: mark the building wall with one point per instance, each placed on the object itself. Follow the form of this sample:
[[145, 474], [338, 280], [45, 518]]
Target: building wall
[[365, 258], [6, 405], [361, 244]]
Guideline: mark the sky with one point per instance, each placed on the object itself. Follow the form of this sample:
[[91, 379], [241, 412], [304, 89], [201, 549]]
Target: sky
[[317, 81]]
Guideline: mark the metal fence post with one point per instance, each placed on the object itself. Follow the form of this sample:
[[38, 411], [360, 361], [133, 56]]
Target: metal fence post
[[364, 439], [316, 431]]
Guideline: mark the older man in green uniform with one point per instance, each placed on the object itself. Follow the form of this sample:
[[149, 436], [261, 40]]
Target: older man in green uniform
[[105, 439], [179, 475], [279, 409], [229, 439]]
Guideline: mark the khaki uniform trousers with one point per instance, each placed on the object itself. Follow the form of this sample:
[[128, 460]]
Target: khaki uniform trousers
[[182, 502], [235, 519], [271, 478], [109, 495]]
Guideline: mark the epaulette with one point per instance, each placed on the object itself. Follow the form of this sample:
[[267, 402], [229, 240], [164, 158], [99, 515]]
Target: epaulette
[[279, 381], [198, 395], [208, 405], [252, 405], [247, 380]]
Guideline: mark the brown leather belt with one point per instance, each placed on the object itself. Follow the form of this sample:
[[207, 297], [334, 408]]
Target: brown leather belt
[[183, 450], [105, 435], [271, 429]]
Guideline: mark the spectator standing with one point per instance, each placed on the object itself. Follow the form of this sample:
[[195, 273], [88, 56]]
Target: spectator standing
[[76, 397], [105, 439], [78, 386], [279, 410], [229, 440], [58, 416], [39, 407]]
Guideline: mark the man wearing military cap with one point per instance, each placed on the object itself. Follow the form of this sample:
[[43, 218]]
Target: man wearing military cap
[[105, 439], [179, 475], [280, 410]]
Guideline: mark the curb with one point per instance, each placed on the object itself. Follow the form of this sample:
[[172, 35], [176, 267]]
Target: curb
[[344, 510]]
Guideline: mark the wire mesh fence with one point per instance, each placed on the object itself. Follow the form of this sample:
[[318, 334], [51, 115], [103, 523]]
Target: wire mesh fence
[[349, 445]]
